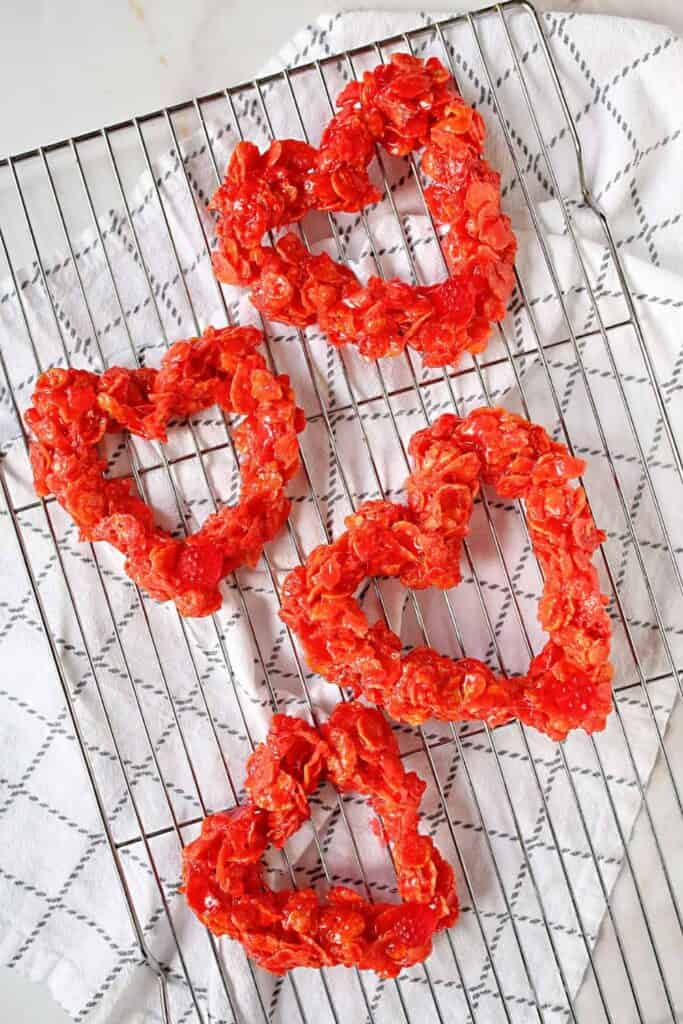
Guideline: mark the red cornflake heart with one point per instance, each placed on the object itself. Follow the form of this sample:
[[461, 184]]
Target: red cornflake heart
[[568, 684], [357, 752], [405, 105], [73, 410]]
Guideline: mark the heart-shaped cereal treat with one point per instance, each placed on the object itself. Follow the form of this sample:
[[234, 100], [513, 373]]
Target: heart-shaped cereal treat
[[404, 106], [223, 884], [73, 409]]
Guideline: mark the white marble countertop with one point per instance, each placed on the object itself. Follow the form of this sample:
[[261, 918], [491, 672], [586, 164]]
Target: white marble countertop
[[68, 67]]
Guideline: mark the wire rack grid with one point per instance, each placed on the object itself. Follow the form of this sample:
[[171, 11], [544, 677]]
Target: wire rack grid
[[184, 697]]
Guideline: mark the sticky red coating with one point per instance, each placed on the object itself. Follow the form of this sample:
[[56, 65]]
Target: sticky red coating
[[406, 105], [568, 684], [222, 879], [73, 409]]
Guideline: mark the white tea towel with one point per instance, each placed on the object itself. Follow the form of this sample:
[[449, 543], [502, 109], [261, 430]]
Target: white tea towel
[[205, 694]]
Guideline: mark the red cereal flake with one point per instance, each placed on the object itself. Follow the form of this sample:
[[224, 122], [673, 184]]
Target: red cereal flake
[[406, 105], [568, 684], [73, 409], [357, 752]]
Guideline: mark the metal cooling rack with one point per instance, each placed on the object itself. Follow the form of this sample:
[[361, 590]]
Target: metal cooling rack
[[645, 987]]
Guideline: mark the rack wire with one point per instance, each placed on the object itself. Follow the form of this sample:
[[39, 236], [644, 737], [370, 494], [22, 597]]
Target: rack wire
[[50, 196]]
